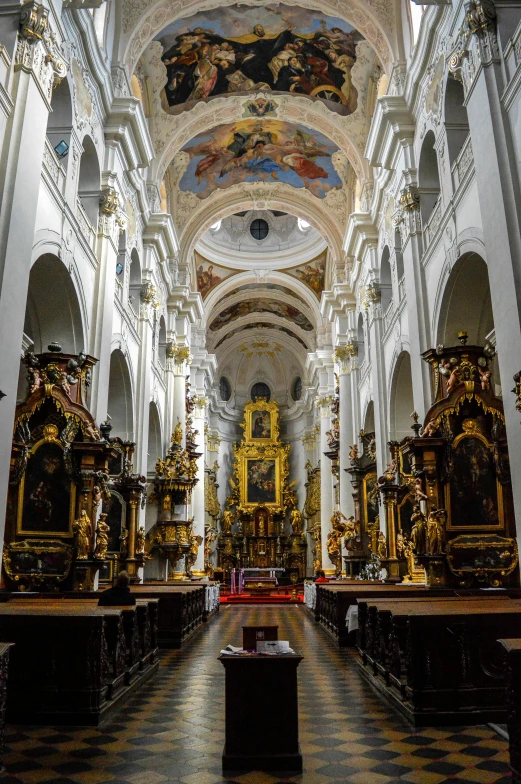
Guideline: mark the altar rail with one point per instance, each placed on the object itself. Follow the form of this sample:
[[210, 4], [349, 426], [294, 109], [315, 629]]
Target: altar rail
[[438, 660]]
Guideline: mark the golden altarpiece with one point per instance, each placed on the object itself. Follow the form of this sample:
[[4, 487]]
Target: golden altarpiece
[[361, 531], [447, 492], [63, 471], [253, 528]]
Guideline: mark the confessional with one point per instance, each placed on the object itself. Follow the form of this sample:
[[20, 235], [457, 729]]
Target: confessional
[[56, 535], [447, 491]]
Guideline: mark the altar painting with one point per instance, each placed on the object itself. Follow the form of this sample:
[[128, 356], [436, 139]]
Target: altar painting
[[46, 495], [475, 498], [275, 47], [261, 481], [260, 151], [261, 424]]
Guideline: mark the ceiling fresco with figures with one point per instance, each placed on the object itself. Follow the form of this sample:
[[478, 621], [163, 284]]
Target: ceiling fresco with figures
[[275, 47], [255, 151], [261, 305], [260, 325]]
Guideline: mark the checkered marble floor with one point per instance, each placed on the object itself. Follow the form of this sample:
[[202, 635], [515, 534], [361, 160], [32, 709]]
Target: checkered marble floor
[[173, 731]]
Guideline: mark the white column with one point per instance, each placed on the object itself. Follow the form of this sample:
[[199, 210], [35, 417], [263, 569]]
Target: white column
[[103, 301], [347, 437], [199, 420], [37, 61], [144, 377], [181, 359], [326, 481]]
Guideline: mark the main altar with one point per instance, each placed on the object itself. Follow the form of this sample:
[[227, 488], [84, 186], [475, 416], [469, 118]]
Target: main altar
[[254, 531]]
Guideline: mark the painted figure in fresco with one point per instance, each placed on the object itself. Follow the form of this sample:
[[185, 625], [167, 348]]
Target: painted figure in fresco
[[261, 424], [245, 307], [286, 52]]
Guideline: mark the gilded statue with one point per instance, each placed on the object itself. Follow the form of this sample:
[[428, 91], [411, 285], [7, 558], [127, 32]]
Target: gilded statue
[[401, 544], [123, 547], [262, 530], [353, 453], [102, 538], [353, 535], [82, 530], [295, 520], [227, 521], [381, 549], [177, 435], [430, 429], [140, 540], [436, 538], [418, 530]]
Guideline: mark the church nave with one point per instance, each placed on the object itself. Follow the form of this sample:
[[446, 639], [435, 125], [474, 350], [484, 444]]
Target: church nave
[[173, 730]]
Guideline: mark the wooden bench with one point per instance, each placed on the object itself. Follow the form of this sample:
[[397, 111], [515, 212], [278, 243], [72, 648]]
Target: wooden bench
[[70, 662], [334, 601], [512, 651], [438, 660]]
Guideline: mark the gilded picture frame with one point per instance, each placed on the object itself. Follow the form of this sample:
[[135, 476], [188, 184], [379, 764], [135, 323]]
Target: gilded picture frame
[[468, 435], [21, 527], [260, 480], [261, 422]]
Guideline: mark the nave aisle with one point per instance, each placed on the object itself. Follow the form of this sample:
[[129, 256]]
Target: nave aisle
[[174, 730]]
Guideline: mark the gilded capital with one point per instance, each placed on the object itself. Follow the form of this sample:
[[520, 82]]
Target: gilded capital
[[109, 201], [34, 20]]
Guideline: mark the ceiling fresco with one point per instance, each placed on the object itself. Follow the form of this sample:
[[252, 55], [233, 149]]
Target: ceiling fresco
[[244, 308], [261, 325], [276, 47], [260, 151], [209, 275], [269, 287], [312, 274]]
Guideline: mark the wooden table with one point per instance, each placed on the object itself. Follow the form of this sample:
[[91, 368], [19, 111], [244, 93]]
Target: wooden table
[[261, 713]]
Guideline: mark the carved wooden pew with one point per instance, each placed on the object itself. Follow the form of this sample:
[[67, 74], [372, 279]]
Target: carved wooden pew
[[335, 600], [62, 670], [139, 628], [512, 649], [440, 662]]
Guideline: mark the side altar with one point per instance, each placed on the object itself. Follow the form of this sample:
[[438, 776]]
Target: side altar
[[255, 532]]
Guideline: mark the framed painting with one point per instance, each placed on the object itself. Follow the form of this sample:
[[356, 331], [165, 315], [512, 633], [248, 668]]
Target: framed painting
[[261, 424], [260, 481], [47, 497], [474, 501]]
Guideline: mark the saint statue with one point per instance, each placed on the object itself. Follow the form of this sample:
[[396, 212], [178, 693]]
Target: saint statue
[[381, 549], [262, 531], [82, 530], [140, 540], [418, 531], [296, 521], [436, 532], [102, 538]]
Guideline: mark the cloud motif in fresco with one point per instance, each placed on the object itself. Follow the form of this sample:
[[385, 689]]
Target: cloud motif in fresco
[[275, 47], [244, 308], [260, 151]]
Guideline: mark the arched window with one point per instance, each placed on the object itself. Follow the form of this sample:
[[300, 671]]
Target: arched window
[[225, 389], [456, 120], [428, 178], [260, 389], [89, 181], [296, 389]]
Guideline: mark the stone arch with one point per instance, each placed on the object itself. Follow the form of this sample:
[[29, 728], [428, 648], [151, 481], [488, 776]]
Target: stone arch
[[466, 302], [402, 401], [120, 406], [456, 119], [428, 177], [59, 123], [155, 443]]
